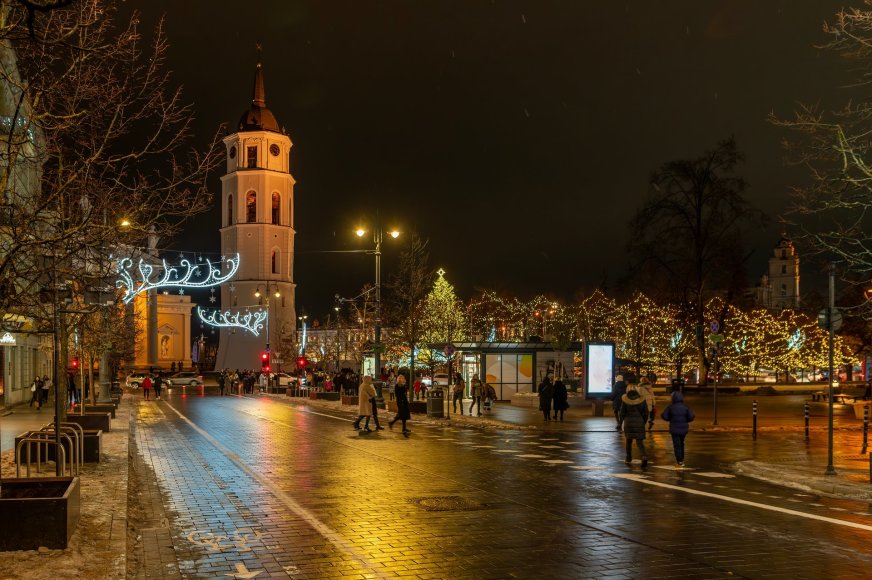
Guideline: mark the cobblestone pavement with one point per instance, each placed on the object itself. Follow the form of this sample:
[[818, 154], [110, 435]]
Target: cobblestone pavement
[[257, 488]]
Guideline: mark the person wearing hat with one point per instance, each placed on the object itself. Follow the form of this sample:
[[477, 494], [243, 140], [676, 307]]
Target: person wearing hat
[[634, 415], [647, 392], [619, 389]]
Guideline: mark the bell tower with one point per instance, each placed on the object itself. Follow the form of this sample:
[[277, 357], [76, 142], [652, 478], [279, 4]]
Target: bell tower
[[257, 222]]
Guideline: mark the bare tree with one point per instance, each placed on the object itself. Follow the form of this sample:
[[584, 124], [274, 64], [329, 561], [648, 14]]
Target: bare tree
[[833, 214], [687, 238], [93, 133], [407, 288]]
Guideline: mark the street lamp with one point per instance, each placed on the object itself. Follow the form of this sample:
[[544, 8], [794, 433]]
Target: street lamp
[[258, 294], [377, 239]]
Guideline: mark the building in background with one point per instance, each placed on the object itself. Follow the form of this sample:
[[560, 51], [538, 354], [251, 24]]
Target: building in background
[[257, 222], [779, 288]]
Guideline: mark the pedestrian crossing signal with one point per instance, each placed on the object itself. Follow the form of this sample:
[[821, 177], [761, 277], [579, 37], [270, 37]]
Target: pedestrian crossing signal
[[302, 362], [74, 364]]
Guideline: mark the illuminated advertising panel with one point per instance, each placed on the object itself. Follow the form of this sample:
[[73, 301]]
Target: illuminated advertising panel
[[599, 368]]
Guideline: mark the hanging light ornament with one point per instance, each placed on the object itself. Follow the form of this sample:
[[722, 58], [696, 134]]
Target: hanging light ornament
[[185, 275]]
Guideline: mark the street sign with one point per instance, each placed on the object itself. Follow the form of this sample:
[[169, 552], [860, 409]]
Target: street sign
[[715, 326], [449, 350], [823, 321]]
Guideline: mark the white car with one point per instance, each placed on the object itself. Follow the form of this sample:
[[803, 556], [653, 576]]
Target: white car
[[134, 380], [285, 380], [436, 379], [186, 378]]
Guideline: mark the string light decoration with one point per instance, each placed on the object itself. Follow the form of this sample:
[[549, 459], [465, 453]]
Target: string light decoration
[[249, 320], [185, 275]]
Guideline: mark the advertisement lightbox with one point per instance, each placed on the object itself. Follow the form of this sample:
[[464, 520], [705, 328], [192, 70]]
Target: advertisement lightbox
[[599, 369]]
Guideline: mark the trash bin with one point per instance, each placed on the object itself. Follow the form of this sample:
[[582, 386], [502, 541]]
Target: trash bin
[[435, 406]]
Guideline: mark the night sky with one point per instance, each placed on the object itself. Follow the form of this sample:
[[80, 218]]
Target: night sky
[[517, 136]]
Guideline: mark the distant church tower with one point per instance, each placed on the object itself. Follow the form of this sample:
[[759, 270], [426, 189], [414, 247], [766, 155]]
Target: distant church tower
[[257, 221], [780, 287]]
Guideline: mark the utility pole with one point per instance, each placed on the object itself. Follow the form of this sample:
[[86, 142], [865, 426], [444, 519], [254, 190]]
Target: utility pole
[[831, 307]]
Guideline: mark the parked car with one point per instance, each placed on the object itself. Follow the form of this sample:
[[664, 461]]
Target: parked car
[[285, 380], [436, 379], [134, 380], [185, 378]]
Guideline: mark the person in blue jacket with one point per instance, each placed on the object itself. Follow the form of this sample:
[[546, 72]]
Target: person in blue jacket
[[679, 417]]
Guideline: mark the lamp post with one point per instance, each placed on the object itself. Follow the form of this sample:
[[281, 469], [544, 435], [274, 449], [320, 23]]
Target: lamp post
[[377, 239], [258, 295]]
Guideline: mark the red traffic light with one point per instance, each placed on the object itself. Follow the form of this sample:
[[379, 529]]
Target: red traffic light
[[264, 361], [302, 362], [74, 363], [264, 356]]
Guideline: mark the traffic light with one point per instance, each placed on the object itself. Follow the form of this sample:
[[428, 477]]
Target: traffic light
[[74, 364], [264, 361], [302, 362]]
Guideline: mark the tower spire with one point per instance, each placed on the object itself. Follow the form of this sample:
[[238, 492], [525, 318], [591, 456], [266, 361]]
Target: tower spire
[[259, 97]]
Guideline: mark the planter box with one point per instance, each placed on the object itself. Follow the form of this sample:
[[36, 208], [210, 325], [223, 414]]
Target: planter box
[[42, 511], [332, 396], [98, 408], [277, 390], [350, 400], [91, 421]]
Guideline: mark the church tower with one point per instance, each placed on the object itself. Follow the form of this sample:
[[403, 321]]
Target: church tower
[[257, 222], [779, 288]]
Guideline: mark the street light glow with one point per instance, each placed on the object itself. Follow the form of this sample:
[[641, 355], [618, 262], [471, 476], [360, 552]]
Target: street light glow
[[394, 234], [124, 223], [257, 293], [360, 232]]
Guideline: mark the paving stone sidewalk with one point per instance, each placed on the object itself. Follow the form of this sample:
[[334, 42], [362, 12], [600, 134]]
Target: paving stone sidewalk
[[98, 548]]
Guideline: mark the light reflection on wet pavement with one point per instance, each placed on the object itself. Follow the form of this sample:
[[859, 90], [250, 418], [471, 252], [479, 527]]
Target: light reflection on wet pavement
[[270, 488]]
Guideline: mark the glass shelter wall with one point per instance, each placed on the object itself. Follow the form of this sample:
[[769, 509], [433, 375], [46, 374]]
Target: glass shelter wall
[[509, 373]]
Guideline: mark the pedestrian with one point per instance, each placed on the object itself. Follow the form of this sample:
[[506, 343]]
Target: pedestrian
[[158, 385], [490, 396], [476, 390], [87, 388], [619, 389], [173, 367], [647, 392], [457, 393], [561, 399], [35, 392], [417, 387], [263, 382], [46, 385], [365, 401], [546, 393], [146, 387], [222, 379], [72, 393], [679, 416], [392, 383], [634, 414], [404, 413]]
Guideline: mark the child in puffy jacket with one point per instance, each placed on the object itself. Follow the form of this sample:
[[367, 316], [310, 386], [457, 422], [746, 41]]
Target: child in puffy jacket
[[679, 416]]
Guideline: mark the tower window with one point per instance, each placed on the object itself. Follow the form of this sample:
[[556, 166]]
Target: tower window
[[276, 207], [784, 268], [251, 157], [274, 265], [251, 207], [230, 210], [784, 289]]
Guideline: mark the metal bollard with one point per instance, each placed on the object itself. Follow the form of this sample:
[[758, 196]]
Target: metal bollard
[[865, 427], [754, 432], [806, 421]]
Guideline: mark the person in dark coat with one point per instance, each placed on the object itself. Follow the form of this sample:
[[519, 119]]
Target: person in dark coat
[[619, 389], [404, 413], [634, 415], [561, 399], [222, 381], [546, 394], [679, 416], [158, 385]]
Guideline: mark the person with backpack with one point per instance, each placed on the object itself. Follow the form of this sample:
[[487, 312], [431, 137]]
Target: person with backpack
[[634, 415], [679, 416]]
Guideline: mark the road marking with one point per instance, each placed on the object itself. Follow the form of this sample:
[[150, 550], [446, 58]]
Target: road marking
[[589, 467], [506, 451], [574, 450], [772, 508], [327, 532], [672, 468], [554, 461], [243, 573], [531, 456], [714, 474], [550, 447]]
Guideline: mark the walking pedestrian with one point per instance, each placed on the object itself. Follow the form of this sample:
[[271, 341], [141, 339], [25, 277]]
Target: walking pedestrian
[[647, 392], [35, 392], [404, 413], [619, 389], [146, 387], [457, 393], [561, 399], [634, 414], [222, 380], [416, 386], [46, 386], [476, 390], [365, 401], [679, 416], [158, 385], [490, 396], [72, 393], [546, 393]]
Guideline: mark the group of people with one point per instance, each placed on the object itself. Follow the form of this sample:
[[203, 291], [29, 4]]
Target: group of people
[[367, 405], [247, 378], [553, 394], [635, 408], [478, 391], [39, 391], [148, 383]]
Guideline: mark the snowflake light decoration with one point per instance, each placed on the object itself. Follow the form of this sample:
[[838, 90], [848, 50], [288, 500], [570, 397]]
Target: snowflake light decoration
[[250, 320], [185, 275]]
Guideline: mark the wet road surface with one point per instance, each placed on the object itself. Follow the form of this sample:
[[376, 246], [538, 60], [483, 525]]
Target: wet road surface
[[259, 488]]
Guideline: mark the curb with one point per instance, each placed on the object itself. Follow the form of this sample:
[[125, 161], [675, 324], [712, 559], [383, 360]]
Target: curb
[[805, 480]]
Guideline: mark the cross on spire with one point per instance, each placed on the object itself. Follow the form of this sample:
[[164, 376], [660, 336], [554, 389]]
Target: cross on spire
[[441, 272]]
